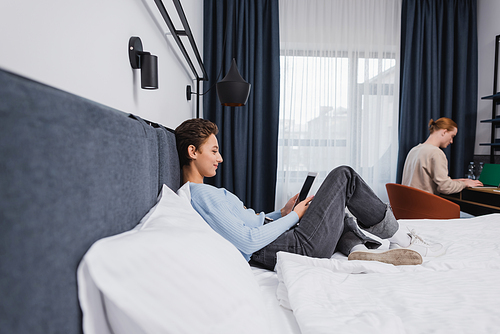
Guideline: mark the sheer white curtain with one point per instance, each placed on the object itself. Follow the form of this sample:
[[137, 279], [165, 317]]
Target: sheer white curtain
[[339, 91]]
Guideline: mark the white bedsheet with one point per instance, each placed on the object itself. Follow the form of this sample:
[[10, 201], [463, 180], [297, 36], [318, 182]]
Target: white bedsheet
[[282, 320], [456, 293]]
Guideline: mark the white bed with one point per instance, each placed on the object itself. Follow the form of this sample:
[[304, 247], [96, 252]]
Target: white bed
[[173, 274], [455, 293]]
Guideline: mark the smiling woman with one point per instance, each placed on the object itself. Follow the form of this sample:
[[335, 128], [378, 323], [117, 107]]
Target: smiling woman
[[193, 138], [426, 166], [205, 158], [310, 227]]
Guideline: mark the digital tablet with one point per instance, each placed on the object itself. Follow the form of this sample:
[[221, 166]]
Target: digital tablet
[[306, 187]]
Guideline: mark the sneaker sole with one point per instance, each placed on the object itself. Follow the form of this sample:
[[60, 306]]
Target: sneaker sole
[[397, 257]]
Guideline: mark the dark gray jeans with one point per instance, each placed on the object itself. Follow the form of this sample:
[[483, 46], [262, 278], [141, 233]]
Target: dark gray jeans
[[325, 228]]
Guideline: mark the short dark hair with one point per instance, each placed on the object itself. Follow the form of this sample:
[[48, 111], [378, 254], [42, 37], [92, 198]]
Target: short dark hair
[[192, 132]]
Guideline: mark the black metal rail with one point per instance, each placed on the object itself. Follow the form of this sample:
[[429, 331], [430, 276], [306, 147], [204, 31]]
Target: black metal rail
[[185, 32]]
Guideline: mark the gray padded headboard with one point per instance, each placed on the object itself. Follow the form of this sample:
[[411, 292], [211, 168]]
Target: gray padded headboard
[[72, 171]]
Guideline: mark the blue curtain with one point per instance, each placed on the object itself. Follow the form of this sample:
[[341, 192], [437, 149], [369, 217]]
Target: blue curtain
[[438, 76], [249, 32]]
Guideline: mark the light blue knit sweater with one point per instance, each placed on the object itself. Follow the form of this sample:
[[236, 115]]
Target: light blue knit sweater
[[227, 215]]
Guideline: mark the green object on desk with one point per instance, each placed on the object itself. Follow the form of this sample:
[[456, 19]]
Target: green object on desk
[[490, 176]]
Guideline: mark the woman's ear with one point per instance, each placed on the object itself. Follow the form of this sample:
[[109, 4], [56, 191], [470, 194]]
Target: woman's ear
[[192, 151]]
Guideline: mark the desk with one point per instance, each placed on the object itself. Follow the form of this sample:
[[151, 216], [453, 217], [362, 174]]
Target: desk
[[477, 201]]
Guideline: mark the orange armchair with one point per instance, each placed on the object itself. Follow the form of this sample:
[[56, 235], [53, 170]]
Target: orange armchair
[[412, 203]]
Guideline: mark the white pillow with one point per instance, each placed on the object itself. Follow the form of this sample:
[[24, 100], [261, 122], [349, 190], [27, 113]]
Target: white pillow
[[173, 274], [185, 192]]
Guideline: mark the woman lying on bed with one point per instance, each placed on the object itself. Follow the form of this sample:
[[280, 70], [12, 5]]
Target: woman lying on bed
[[314, 227]]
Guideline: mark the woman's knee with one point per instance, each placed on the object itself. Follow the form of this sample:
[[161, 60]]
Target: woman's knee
[[341, 170], [339, 175]]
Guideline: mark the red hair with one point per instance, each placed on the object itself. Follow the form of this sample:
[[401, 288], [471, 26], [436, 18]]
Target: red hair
[[442, 123]]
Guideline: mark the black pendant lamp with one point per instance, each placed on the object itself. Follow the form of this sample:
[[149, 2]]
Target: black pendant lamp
[[233, 90]]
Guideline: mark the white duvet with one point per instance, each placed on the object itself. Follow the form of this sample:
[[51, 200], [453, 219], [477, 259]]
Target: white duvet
[[456, 293]]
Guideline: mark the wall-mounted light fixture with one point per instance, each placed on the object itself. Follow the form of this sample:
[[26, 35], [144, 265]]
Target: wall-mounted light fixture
[[147, 62], [233, 90]]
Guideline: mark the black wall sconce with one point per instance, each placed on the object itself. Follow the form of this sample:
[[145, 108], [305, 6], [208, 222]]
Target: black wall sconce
[[232, 90], [147, 62]]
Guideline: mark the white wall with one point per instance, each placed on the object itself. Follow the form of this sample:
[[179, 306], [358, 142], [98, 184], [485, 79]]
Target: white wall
[[488, 26], [82, 47]]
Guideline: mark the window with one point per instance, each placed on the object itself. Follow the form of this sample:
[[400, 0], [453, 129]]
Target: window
[[339, 101]]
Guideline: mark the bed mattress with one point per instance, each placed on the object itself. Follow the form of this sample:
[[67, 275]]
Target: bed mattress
[[454, 293]]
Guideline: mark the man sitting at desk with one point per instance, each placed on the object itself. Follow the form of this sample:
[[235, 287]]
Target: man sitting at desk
[[426, 166]]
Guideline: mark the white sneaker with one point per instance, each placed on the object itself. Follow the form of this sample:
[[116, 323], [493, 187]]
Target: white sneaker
[[423, 247]]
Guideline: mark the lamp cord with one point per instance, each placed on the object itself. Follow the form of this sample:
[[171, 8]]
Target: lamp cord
[[223, 50]]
